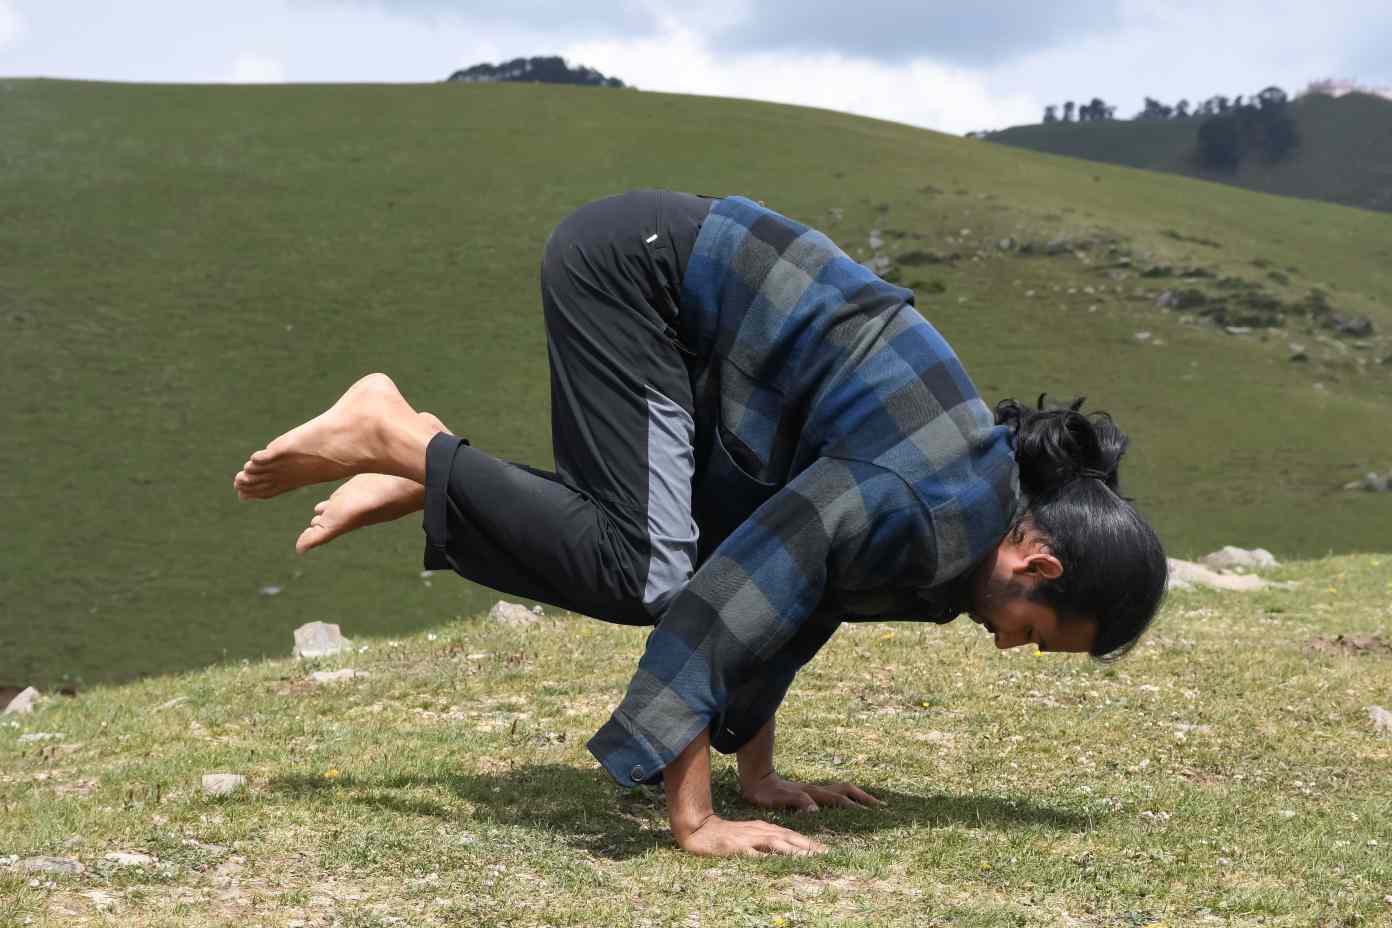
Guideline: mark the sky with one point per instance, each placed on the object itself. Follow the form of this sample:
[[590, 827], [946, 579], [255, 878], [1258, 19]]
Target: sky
[[951, 67]]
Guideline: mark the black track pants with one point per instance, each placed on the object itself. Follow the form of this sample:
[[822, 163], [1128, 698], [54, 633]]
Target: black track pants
[[610, 534]]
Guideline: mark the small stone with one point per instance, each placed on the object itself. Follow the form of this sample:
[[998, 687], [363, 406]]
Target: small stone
[[130, 859], [23, 704], [100, 899], [875, 241], [319, 639], [1381, 719], [1375, 483], [1229, 558], [1142, 336], [336, 676], [537, 610], [514, 614], [65, 865], [222, 784], [1006, 244], [176, 701], [269, 590], [1237, 329], [40, 736], [878, 265], [1187, 574]]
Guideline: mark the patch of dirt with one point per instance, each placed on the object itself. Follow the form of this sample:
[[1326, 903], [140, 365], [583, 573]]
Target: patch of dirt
[[1352, 645]]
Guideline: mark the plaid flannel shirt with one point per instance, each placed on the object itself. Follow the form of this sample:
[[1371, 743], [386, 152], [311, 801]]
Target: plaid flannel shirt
[[847, 468]]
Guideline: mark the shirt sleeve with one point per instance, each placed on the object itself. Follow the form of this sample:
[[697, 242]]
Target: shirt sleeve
[[843, 521]]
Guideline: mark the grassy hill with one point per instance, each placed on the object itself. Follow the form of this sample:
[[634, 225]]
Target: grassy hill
[[1189, 785], [1344, 155], [186, 271]]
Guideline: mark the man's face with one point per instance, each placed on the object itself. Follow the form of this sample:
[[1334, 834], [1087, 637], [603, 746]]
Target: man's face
[[1001, 603]]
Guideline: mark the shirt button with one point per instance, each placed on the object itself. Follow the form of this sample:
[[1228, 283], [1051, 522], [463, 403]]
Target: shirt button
[[636, 773]]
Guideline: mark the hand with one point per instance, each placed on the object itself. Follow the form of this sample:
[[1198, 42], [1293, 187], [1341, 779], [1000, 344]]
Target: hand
[[773, 792], [716, 837]]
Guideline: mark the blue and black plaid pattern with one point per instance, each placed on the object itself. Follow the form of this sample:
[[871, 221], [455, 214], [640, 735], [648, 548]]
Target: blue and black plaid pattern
[[891, 477]]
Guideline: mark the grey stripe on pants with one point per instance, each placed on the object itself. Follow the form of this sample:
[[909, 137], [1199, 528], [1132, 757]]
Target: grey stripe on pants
[[610, 533]]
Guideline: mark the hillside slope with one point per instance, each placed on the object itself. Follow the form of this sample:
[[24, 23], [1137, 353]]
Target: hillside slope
[[186, 271], [1227, 772], [1344, 155]]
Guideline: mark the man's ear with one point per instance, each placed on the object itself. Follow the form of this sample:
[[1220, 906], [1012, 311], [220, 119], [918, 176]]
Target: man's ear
[[1044, 565]]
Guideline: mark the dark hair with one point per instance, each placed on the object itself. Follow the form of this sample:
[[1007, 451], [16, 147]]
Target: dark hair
[[1114, 568]]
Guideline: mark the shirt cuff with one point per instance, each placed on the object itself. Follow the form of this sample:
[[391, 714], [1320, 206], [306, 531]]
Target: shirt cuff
[[627, 756]]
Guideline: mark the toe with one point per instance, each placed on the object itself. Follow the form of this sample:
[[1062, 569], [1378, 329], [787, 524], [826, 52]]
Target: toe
[[309, 538]]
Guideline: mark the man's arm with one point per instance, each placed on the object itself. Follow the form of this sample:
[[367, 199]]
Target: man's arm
[[761, 784], [700, 831], [728, 628]]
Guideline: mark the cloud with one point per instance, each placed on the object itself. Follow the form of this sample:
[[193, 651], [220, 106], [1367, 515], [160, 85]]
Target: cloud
[[895, 32], [920, 93], [562, 19], [12, 26], [251, 68]]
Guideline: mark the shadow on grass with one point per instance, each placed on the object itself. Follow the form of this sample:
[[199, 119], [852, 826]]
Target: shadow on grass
[[584, 809]]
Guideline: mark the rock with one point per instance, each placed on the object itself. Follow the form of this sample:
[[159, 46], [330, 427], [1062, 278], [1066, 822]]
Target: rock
[[336, 676], [65, 865], [319, 639], [1376, 483], [1142, 336], [875, 241], [1006, 244], [1229, 557], [878, 265], [130, 859], [1381, 719], [40, 736], [101, 899], [1352, 326], [1185, 575], [270, 590], [23, 704], [1237, 329], [514, 614], [222, 784]]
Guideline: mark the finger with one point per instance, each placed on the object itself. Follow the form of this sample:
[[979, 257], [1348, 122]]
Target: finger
[[830, 797], [320, 506], [799, 840], [788, 847], [752, 852], [860, 795]]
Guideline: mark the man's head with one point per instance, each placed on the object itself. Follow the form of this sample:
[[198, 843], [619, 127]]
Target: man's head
[[1004, 597], [1081, 570]]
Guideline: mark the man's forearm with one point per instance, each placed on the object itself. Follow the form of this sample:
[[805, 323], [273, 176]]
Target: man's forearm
[[687, 783], [755, 759]]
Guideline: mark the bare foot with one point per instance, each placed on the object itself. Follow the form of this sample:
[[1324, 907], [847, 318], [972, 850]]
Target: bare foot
[[371, 429], [367, 499]]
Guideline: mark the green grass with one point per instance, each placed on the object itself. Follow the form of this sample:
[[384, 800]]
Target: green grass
[[1344, 154], [187, 271], [1223, 774]]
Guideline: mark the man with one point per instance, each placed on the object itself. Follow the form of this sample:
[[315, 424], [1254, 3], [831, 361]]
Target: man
[[755, 439]]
